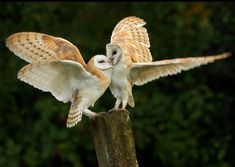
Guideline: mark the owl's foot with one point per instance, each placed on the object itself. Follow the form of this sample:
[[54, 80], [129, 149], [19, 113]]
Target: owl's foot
[[124, 103], [89, 113], [117, 104]]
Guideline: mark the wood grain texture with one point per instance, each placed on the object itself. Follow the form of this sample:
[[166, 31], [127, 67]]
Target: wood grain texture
[[113, 139]]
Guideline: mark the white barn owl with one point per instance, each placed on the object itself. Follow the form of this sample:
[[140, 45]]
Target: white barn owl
[[58, 67], [132, 60]]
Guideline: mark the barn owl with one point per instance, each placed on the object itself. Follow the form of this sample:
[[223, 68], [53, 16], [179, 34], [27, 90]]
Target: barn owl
[[56, 66], [132, 60]]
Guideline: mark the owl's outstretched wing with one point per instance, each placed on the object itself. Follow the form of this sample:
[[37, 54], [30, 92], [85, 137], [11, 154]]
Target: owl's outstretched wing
[[61, 78], [142, 73], [33, 46], [133, 38]]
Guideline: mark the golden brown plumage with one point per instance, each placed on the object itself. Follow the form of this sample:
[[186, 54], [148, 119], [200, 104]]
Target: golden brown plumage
[[132, 37], [57, 66], [33, 46], [129, 51], [142, 73]]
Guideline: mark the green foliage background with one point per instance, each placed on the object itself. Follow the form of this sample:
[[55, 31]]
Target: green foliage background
[[183, 120]]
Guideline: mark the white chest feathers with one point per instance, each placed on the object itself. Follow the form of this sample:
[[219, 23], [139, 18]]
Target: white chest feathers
[[119, 83]]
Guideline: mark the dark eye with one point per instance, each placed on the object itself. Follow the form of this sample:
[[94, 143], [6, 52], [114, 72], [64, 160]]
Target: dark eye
[[101, 61], [114, 52]]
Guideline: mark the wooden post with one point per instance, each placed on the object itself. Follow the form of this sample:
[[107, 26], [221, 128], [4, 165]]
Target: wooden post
[[113, 139]]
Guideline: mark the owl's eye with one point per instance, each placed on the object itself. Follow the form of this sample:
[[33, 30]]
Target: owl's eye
[[101, 61], [114, 52]]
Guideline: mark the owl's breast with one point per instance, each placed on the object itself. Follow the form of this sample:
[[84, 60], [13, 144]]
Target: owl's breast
[[119, 74], [119, 83]]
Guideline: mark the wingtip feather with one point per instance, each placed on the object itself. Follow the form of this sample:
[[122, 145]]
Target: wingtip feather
[[226, 54]]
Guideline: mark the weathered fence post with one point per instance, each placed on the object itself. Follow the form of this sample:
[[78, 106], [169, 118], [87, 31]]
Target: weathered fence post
[[113, 139]]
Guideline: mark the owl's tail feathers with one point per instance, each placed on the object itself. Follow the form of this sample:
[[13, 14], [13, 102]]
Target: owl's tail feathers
[[75, 116], [131, 100]]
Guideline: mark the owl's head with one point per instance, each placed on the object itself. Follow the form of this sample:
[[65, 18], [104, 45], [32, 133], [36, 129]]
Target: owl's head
[[114, 53], [102, 62]]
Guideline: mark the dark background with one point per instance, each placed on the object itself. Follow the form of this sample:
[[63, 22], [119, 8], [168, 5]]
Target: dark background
[[186, 120]]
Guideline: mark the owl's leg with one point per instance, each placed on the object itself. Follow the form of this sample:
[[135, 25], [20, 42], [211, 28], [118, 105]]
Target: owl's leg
[[89, 113], [124, 103], [117, 104]]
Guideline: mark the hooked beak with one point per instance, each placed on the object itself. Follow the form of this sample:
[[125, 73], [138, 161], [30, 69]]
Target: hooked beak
[[114, 59], [111, 60], [110, 67], [110, 63]]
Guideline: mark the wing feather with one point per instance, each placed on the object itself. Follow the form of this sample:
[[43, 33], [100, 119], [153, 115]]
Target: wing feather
[[33, 46], [129, 32], [142, 73], [60, 78]]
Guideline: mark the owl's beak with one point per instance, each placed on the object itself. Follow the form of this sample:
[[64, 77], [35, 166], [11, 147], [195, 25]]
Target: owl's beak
[[110, 66], [115, 59], [111, 60]]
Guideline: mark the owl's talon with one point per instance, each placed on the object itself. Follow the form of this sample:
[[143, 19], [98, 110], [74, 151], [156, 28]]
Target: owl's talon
[[89, 113]]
